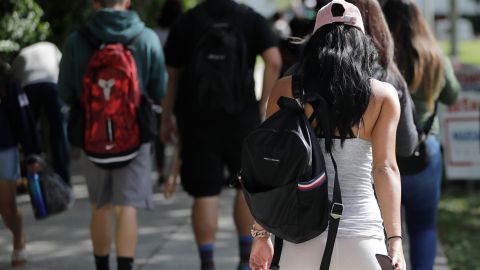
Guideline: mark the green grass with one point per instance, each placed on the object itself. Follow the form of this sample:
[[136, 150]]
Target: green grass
[[459, 227], [469, 51]]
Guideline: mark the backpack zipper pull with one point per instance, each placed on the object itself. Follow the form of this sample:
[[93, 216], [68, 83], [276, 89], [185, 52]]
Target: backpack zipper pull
[[110, 144]]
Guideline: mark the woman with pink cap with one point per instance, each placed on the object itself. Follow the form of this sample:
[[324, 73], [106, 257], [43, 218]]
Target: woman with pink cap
[[338, 64]]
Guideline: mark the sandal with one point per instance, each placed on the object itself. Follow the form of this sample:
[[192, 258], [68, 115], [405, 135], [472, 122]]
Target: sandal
[[19, 258]]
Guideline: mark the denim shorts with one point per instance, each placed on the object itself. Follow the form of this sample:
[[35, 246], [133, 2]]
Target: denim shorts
[[9, 167]]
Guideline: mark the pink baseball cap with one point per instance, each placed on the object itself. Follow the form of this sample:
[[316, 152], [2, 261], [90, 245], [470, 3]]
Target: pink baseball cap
[[351, 16]]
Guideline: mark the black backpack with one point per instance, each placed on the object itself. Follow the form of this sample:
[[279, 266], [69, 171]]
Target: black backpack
[[284, 178], [218, 77]]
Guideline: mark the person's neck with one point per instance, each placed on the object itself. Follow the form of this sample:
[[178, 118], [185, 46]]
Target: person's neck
[[117, 7]]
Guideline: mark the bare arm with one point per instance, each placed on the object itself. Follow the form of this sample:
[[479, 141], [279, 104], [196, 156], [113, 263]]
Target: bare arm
[[385, 171], [282, 87], [451, 87], [273, 64], [168, 127]]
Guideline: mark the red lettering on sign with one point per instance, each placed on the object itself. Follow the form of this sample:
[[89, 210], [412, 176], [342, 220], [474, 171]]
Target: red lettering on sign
[[465, 104]]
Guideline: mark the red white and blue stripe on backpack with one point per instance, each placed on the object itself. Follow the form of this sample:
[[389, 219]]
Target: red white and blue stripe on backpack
[[315, 182]]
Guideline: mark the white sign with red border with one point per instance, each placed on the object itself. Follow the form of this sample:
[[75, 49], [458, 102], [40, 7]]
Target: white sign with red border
[[461, 137]]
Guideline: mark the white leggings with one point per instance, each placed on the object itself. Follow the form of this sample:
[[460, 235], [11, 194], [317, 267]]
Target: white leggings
[[348, 254]]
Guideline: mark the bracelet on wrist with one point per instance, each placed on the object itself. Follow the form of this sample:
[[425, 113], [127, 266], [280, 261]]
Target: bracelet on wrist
[[256, 233], [394, 237]]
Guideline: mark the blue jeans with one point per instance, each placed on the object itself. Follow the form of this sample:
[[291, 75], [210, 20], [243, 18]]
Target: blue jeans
[[43, 98], [420, 195]]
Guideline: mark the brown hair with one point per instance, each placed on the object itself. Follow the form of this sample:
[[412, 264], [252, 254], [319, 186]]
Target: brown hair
[[416, 50], [376, 27]]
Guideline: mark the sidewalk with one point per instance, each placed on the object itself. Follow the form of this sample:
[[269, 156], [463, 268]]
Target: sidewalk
[[165, 238]]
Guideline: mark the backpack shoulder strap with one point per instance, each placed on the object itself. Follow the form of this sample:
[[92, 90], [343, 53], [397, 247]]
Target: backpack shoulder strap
[[297, 90], [336, 211], [429, 123], [320, 113], [277, 253]]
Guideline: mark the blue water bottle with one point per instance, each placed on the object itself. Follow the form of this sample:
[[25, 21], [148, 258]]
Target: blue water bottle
[[36, 196]]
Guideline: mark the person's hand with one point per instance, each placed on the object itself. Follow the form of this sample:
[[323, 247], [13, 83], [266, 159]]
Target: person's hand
[[35, 164], [261, 254], [171, 181], [170, 186], [395, 251], [35, 167], [168, 129]]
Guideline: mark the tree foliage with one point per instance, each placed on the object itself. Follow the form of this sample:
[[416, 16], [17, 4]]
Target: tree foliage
[[27, 21], [64, 17], [20, 24], [148, 10]]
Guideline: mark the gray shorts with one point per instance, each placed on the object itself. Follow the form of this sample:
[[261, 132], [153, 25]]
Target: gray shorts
[[127, 186]]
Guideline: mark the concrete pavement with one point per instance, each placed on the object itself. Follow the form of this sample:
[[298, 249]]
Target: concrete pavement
[[165, 238]]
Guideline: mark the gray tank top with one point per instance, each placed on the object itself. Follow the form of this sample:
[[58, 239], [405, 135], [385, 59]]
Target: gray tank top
[[361, 214]]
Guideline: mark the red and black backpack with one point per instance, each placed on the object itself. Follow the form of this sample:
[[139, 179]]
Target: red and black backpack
[[110, 97]]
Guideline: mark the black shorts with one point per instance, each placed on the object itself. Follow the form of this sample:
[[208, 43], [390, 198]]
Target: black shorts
[[209, 143]]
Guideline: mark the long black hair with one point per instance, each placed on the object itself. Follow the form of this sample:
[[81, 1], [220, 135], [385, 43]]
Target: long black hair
[[337, 63]]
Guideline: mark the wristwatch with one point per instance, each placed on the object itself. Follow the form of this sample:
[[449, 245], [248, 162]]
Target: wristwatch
[[256, 233]]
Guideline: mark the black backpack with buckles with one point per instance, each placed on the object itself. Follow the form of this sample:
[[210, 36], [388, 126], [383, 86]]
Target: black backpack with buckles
[[284, 178]]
